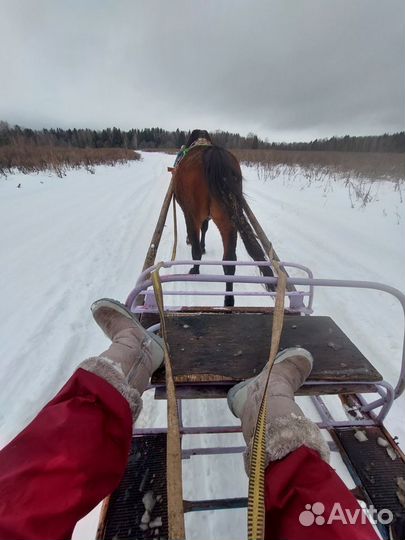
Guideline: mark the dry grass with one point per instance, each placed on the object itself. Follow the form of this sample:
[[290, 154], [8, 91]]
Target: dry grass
[[171, 151], [56, 159], [360, 172], [320, 164], [346, 165]]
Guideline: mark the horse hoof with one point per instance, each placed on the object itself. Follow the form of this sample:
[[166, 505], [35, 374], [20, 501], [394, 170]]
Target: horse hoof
[[194, 270], [229, 301]]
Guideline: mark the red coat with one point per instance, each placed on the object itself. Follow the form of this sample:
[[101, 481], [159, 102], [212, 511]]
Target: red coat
[[74, 453]]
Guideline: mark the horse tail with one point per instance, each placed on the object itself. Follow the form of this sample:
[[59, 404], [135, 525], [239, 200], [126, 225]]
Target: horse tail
[[224, 177]]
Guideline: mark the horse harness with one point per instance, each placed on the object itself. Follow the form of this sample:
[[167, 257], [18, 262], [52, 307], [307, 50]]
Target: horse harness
[[184, 151]]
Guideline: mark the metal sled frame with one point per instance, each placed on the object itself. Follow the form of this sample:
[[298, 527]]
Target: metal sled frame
[[296, 298], [361, 414]]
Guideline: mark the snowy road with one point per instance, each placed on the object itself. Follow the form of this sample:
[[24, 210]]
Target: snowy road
[[65, 242]]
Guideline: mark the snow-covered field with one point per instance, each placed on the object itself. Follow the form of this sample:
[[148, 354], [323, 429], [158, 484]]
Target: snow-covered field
[[66, 242]]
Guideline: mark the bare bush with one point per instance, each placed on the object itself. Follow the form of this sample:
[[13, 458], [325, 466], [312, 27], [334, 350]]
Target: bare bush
[[27, 158]]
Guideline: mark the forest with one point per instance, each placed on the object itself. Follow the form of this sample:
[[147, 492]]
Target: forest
[[155, 137]]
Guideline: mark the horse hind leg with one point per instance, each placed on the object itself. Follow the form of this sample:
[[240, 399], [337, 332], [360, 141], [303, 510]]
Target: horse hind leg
[[230, 255], [204, 228], [229, 237], [193, 233]]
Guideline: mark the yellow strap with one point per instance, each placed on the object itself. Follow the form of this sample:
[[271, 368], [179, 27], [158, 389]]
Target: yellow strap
[[173, 457], [256, 508]]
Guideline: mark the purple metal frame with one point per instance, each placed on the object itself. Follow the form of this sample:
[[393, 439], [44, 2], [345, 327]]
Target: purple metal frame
[[144, 283], [366, 410]]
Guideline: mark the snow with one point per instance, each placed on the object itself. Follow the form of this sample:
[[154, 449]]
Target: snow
[[66, 242]]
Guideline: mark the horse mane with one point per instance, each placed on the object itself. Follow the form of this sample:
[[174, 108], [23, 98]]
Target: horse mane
[[198, 134]]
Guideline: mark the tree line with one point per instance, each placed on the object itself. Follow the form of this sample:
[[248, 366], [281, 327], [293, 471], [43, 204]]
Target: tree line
[[156, 137], [373, 143]]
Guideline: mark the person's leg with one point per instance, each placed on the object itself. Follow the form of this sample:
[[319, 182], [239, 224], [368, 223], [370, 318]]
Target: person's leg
[[65, 461], [297, 474], [74, 452], [301, 491]]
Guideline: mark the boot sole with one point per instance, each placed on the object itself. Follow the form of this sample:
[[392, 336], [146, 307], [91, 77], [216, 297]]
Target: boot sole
[[120, 308], [281, 356]]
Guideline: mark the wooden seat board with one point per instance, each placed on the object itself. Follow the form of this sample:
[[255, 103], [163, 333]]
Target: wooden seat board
[[206, 347]]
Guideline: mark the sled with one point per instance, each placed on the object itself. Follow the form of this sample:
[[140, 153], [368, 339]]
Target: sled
[[213, 348]]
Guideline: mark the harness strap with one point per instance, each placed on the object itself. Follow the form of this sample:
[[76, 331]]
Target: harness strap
[[183, 153], [256, 503], [173, 456], [199, 142]]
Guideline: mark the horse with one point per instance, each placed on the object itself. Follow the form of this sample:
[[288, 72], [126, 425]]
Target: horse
[[208, 185]]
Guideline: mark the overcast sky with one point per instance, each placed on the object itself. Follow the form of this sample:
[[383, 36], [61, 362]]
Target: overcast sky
[[285, 69]]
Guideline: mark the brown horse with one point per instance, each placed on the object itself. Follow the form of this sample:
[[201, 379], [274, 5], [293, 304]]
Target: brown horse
[[208, 184]]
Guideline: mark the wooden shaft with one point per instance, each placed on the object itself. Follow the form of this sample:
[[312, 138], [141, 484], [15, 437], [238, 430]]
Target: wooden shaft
[[157, 235], [174, 250], [261, 235]]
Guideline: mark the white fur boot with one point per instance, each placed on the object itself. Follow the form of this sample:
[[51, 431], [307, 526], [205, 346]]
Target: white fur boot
[[133, 355], [286, 428]]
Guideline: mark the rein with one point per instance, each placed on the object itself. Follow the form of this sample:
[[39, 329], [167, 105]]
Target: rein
[[256, 503], [175, 508]]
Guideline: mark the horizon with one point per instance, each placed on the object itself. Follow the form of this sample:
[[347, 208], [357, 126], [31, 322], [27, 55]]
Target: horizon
[[248, 135]]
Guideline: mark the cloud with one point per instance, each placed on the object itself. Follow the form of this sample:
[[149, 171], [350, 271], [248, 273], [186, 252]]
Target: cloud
[[283, 68]]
